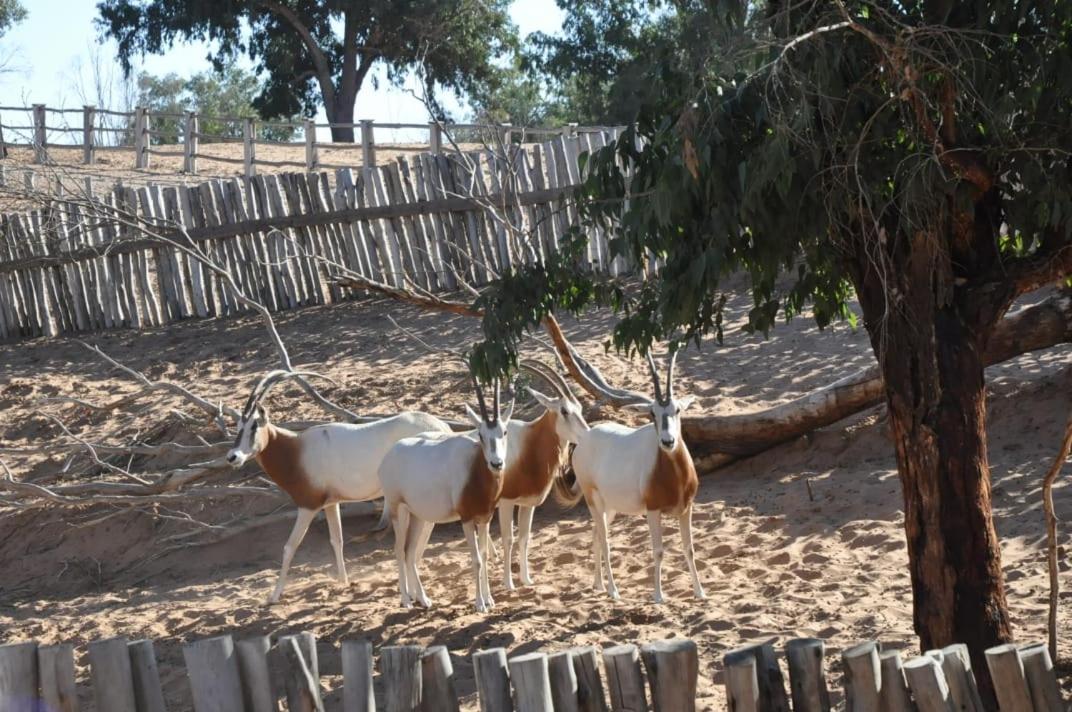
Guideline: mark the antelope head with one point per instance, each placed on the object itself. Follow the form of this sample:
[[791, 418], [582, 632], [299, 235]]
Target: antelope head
[[665, 410], [253, 423], [491, 428], [570, 424]]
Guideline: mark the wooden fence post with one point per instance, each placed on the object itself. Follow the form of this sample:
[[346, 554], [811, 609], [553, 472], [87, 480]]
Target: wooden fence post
[[435, 138], [1007, 672], [254, 674], [532, 683], [141, 137], [807, 681], [357, 693], [190, 142], [894, 693], [742, 680], [438, 693], [18, 677], [302, 674], [89, 134], [624, 678], [927, 682], [312, 160], [1041, 678], [215, 680], [368, 144], [772, 697], [113, 678], [862, 679], [400, 666], [249, 148], [148, 695], [506, 134], [492, 680], [563, 678], [55, 664], [40, 139], [956, 666], [673, 669], [590, 697]]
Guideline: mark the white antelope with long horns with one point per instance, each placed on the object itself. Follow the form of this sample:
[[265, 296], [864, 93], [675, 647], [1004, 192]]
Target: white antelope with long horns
[[446, 478], [322, 466], [537, 452], [646, 470]]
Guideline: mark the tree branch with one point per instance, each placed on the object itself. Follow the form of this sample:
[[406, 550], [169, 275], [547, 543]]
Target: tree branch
[[320, 61]]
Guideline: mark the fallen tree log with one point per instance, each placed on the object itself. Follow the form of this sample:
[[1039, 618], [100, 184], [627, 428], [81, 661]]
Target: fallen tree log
[[1041, 326]]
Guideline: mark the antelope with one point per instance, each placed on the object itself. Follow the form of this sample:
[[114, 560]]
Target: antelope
[[320, 467], [646, 470], [537, 452], [438, 478]]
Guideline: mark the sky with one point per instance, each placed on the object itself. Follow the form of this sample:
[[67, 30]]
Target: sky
[[49, 55]]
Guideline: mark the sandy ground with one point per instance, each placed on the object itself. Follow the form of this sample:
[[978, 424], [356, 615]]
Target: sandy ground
[[776, 561]]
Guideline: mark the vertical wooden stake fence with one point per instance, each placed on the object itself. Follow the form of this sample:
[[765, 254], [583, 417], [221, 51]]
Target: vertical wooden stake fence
[[89, 134], [249, 148], [190, 142], [18, 677], [40, 134], [368, 144], [435, 138], [312, 160], [141, 137]]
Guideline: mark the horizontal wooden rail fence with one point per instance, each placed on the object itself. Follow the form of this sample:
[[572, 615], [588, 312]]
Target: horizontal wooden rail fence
[[134, 131], [82, 263], [252, 675]]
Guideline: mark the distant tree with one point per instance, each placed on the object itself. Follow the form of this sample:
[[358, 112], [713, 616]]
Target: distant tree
[[230, 94], [597, 68], [518, 98], [319, 52], [11, 13]]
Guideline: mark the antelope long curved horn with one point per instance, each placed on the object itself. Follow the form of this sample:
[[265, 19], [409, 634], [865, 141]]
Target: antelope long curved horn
[[480, 398], [670, 377], [549, 375], [272, 378], [654, 377], [495, 401]]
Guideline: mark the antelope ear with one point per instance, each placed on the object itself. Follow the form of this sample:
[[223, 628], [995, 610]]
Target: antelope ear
[[506, 418], [685, 402], [262, 414], [544, 400], [477, 420]]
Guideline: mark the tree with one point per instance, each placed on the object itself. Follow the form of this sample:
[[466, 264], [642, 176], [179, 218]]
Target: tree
[[227, 94], [314, 52], [597, 67], [11, 13], [915, 155]]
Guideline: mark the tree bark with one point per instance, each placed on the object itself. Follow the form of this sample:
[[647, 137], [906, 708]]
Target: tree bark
[[931, 349]]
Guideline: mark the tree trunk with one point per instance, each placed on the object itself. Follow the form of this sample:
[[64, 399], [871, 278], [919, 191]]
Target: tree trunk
[[931, 348], [342, 113]]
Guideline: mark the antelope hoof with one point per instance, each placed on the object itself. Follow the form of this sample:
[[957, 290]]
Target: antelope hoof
[[526, 580], [699, 593], [657, 598], [481, 607], [425, 601], [407, 604], [613, 593]]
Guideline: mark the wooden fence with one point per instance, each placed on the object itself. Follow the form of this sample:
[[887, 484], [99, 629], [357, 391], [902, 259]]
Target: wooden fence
[[229, 676], [102, 130], [426, 220]]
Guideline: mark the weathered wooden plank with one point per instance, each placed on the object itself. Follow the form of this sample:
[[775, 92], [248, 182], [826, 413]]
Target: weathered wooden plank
[[215, 679], [286, 244], [55, 664], [204, 280], [349, 236], [175, 211], [1010, 684], [673, 668], [862, 677], [148, 693], [357, 691], [281, 279], [400, 666], [113, 679], [492, 680], [18, 677], [420, 225], [254, 674], [590, 695], [438, 693], [807, 681], [302, 676], [1041, 678], [894, 695], [391, 180], [625, 681], [303, 243], [532, 683]]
